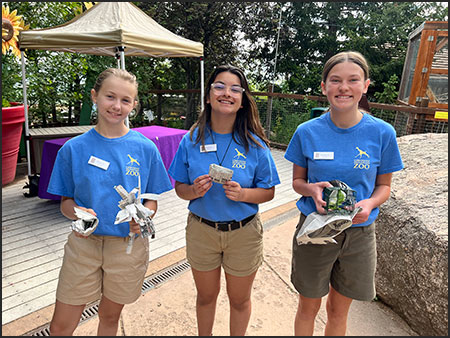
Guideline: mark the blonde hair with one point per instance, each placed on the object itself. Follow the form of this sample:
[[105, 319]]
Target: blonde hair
[[117, 72], [350, 56]]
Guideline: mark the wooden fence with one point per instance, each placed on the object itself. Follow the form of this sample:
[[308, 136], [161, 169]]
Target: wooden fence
[[273, 107]]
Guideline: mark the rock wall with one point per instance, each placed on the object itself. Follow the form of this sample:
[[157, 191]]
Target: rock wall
[[412, 236]]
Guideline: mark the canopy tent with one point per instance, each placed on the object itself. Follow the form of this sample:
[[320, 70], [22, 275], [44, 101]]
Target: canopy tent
[[108, 25], [109, 28]]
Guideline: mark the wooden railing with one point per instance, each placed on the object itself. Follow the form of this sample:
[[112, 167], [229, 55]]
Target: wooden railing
[[414, 120]]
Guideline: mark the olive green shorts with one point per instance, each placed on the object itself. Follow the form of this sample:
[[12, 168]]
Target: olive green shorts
[[100, 265], [349, 266], [239, 251]]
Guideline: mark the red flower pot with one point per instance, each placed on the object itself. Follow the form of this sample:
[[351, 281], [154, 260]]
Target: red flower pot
[[12, 121]]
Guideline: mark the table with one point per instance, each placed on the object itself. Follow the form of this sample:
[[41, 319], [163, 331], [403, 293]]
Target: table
[[39, 135], [166, 140]]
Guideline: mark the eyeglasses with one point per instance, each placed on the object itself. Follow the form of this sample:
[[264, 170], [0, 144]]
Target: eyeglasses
[[219, 88]]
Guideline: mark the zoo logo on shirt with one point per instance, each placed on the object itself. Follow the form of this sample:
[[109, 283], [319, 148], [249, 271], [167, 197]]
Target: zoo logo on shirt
[[130, 168], [237, 160], [362, 160]]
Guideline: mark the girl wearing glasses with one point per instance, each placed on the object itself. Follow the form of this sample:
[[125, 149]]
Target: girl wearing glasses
[[224, 228]]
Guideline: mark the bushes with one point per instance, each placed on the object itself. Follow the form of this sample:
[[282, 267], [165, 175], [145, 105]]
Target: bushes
[[286, 125]]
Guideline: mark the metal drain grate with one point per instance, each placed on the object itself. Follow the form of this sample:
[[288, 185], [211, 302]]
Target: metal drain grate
[[149, 283], [165, 275], [89, 312], [41, 332]]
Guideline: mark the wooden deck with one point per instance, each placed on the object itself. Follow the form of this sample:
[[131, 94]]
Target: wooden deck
[[34, 233], [39, 135], [56, 132]]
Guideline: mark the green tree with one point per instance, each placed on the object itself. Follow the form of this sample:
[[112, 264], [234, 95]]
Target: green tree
[[54, 79], [215, 24], [311, 32], [240, 33]]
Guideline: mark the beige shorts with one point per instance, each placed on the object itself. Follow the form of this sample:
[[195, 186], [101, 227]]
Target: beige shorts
[[239, 251], [99, 265]]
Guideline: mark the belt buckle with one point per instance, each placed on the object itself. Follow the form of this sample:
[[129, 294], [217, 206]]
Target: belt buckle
[[218, 224]]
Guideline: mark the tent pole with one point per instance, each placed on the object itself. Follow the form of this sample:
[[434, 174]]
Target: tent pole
[[121, 49], [25, 106], [202, 82], [122, 58], [118, 60]]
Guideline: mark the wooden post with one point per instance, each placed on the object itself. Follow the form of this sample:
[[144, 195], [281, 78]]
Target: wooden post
[[423, 65], [421, 121]]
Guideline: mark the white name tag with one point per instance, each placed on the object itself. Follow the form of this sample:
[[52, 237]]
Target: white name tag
[[323, 155], [208, 147], [102, 164]]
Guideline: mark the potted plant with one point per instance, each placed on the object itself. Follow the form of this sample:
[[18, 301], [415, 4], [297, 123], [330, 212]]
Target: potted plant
[[13, 113]]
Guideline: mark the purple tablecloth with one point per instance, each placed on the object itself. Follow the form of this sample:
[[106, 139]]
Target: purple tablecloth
[[166, 140]]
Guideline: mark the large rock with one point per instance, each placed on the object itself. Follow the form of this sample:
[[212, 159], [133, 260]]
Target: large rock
[[412, 236]]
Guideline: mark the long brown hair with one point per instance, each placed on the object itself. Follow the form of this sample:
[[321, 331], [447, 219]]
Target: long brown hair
[[247, 118]]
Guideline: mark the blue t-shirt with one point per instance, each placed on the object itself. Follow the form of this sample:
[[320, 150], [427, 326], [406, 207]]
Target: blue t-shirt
[[78, 173], [354, 155], [255, 169]]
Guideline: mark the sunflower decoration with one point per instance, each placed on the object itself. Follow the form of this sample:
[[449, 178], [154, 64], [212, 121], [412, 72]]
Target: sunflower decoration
[[84, 6], [12, 24]]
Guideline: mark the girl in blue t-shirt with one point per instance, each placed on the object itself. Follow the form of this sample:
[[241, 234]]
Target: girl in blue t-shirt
[[354, 147], [86, 171], [224, 227]]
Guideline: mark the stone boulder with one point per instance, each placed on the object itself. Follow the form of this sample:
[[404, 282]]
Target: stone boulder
[[412, 236]]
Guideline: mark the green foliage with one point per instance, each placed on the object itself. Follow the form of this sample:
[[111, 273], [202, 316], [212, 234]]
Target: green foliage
[[286, 125], [215, 24], [54, 79], [389, 94], [5, 103], [174, 123], [311, 32], [287, 114], [11, 79], [240, 33], [309, 104]]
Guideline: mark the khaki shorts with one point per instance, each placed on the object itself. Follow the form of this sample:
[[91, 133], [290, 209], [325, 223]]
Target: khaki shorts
[[349, 266], [99, 265], [239, 251]]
